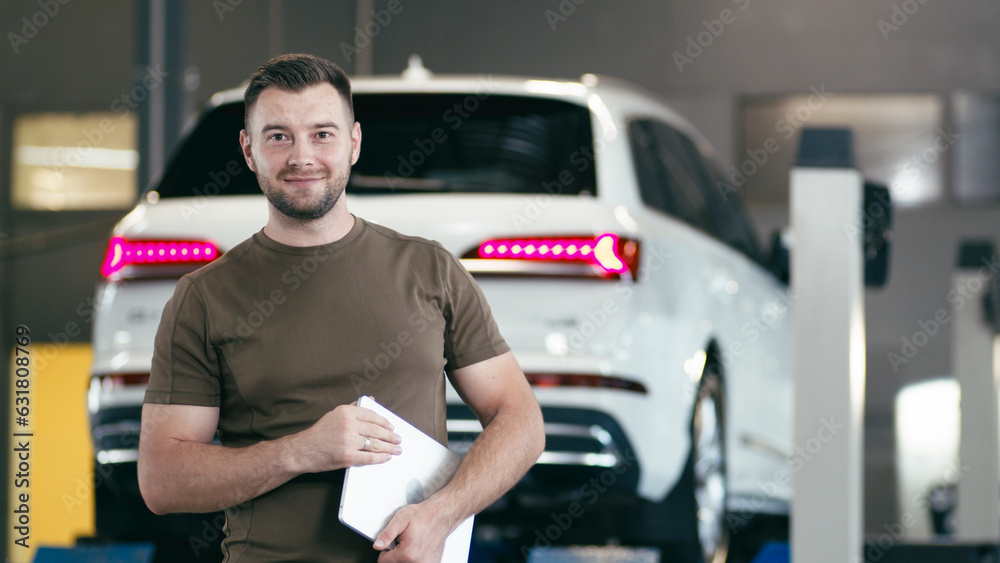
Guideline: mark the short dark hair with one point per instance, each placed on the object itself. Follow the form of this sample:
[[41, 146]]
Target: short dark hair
[[295, 72]]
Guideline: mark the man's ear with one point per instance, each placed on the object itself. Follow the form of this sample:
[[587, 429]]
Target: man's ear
[[355, 142], [247, 153]]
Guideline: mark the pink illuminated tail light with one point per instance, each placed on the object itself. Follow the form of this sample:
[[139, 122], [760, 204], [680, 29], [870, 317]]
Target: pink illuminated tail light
[[607, 253], [123, 252]]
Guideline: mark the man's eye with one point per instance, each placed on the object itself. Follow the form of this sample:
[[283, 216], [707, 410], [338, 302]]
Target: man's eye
[[324, 134], [278, 137]]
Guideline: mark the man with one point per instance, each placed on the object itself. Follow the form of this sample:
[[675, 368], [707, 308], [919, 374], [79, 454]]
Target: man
[[334, 292]]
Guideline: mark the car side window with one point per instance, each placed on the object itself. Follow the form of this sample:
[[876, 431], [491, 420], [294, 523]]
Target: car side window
[[675, 178], [725, 216], [658, 185]]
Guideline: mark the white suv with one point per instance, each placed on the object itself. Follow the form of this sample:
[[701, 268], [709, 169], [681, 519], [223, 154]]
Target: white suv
[[626, 278]]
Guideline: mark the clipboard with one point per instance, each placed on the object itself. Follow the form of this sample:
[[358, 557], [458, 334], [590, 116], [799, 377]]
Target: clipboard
[[373, 493]]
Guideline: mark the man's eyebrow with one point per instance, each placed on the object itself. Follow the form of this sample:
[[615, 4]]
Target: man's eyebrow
[[324, 125]]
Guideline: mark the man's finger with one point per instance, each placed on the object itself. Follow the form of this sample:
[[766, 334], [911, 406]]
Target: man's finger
[[376, 445], [380, 447], [387, 538], [376, 432], [368, 415], [372, 458]]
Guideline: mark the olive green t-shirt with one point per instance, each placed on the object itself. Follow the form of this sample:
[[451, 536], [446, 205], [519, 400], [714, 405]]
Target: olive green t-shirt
[[276, 336]]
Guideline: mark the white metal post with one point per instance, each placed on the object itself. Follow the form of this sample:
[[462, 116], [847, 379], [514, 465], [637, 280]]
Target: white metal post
[[973, 357], [829, 359]]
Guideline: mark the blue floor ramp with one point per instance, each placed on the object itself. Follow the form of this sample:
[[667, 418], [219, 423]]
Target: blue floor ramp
[[773, 552], [594, 554], [120, 553]]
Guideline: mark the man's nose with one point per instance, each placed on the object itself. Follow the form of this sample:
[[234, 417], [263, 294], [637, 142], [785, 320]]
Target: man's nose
[[302, 155]]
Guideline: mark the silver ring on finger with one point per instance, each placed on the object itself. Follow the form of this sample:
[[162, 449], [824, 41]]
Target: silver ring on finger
[[368, 442]]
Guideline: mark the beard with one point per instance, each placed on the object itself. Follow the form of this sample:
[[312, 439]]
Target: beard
[[315, 206]]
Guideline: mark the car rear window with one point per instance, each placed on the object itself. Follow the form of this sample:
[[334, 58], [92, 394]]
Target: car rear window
[[469, 143], [417, 143], [210, 161]]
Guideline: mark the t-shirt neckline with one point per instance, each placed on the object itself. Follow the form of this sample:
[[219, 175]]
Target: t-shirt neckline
[[329, 248]]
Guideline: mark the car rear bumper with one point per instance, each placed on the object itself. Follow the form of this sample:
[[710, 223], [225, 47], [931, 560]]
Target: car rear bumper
[[580, 445]]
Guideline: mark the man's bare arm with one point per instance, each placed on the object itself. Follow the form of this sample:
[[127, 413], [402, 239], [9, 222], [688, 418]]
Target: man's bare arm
[[513, 438], [180, 470]]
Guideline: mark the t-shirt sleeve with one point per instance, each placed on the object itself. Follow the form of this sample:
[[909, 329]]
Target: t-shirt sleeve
[[185, 367], [471, 334]]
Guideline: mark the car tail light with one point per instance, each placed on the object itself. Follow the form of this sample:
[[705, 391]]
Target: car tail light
[[604, 255], [123, 252], [121, 380], [584, 380]]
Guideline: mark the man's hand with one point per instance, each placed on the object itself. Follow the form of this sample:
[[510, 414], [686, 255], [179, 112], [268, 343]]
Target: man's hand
[[512, 439], [418, 534], [348, 435], [180, 470]]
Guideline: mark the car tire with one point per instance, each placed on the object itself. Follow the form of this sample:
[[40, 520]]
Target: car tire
[[706, 468], [690, 525], [118, 515]]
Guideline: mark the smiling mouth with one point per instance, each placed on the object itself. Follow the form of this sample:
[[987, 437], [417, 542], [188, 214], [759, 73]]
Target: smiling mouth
[[297, 180]]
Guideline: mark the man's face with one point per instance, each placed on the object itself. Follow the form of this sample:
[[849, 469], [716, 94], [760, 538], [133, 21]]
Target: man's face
[[301, 145]]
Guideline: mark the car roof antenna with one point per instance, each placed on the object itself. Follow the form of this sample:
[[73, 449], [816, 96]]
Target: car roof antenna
[[415, 69]]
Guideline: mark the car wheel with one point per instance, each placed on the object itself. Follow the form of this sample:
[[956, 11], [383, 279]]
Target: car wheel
[[689, 525], [691, 521], [708, 468]]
